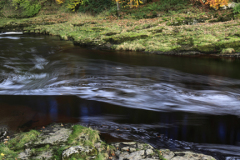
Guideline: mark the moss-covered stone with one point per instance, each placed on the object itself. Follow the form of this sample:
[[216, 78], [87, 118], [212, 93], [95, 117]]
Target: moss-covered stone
[[21, 139]]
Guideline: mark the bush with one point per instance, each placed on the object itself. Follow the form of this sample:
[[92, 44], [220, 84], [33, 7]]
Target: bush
[[28, 8]]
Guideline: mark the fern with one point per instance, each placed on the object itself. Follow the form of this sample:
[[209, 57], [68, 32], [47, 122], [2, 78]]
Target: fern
[[236, 9]]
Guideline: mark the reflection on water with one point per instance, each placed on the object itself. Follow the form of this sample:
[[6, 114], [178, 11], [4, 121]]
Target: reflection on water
[[161, 129], [190, 99]]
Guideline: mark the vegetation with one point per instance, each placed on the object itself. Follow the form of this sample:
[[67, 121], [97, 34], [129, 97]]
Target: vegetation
[[30, 8], [80, 135], [236, 10], [156, 26]]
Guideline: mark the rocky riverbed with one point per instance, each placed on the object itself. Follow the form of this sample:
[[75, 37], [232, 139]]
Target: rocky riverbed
[[67, 141]]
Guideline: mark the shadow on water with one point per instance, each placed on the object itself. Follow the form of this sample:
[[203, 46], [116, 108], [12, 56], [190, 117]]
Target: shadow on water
[[174, 130]]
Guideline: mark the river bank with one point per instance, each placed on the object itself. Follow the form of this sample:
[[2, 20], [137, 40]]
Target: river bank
[[186, 33], [67, 141]]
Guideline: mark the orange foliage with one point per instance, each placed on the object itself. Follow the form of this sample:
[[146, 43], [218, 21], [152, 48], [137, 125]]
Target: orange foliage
[[216, 3], [212, 3]]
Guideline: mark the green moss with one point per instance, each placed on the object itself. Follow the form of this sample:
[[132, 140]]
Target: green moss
[[81, 134], [100, 157], [58, 152], [127, 36], [21, 139], [8, 153], [227, 51], [39, 150]]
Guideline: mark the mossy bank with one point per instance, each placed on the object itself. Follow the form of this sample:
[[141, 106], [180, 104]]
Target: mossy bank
[[186, 29], [151, 35], [66, 141]]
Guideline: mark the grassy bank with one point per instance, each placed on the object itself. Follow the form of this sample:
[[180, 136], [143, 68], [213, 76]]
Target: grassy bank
[[190, 28]]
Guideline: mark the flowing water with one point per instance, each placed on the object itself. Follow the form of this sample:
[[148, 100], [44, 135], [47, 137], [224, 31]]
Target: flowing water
[[181, 103]]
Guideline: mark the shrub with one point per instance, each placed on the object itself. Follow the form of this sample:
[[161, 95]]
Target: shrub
[[28, 8]]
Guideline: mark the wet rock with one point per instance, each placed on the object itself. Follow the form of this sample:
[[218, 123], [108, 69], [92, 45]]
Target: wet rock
[[129, 143], [46, 155], [3, 133], [125, 149], [167, 154], [75, 150], [132, 149], [132, 156], [25, 155], [191, 156], [149, 152]]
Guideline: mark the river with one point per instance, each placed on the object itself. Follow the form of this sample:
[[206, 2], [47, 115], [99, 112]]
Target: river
[[175, 102]]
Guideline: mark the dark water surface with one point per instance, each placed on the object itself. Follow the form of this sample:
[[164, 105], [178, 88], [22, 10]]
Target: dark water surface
[[190, 103]]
